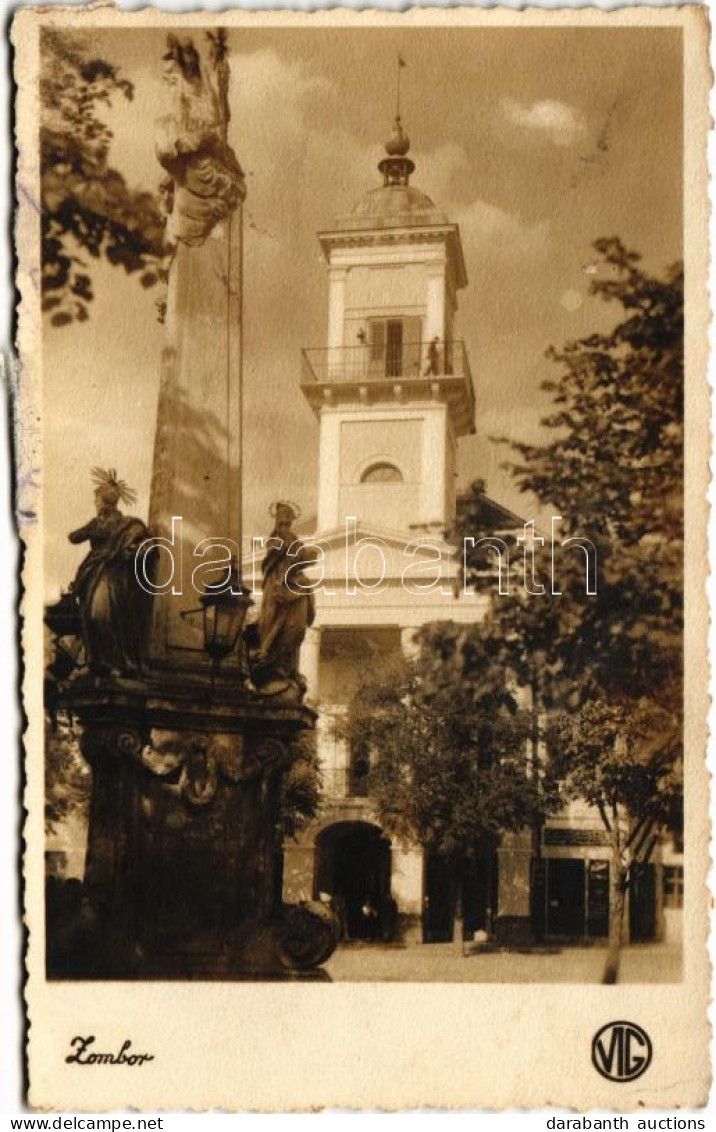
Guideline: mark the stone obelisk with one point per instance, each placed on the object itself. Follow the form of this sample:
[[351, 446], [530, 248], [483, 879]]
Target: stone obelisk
[[196, 477], [182, 872]]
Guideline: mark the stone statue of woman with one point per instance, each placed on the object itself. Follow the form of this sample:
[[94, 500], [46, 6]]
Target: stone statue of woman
[[287, 605], [114, 608]]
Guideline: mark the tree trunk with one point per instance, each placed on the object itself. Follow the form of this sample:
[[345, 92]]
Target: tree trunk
[[616, 918], [458, 920], [538, 820]]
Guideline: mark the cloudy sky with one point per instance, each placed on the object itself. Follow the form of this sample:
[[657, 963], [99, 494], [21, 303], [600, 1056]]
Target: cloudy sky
[[536, 141]]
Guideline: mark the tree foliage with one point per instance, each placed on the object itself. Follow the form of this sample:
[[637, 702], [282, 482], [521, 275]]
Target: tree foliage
[[609, 665], [613, 469], [622, 759], [619, 759], [301, 785], [88, 210], [67, 776], [447, 741], [616, 456]]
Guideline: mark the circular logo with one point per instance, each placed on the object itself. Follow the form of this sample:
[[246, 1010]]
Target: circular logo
[[621, 1051]]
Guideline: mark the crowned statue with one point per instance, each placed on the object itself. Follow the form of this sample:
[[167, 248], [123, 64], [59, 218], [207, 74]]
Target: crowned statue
[[287, 606], [114, 607]]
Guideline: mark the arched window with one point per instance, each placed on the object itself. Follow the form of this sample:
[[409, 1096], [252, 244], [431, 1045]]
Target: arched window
[[382, 473]]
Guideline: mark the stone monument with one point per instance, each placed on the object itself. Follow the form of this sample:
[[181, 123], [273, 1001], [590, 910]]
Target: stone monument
[[188, 755]]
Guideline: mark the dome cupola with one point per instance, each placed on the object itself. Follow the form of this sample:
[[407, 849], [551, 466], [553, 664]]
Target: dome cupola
[[397, 166]]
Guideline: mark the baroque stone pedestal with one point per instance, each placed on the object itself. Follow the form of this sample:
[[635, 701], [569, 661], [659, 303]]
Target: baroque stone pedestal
[[183, 868]]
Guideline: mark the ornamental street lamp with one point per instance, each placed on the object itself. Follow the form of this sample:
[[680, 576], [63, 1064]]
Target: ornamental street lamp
[[224, 613]]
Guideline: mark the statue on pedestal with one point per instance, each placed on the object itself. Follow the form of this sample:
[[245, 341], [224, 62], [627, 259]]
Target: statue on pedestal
[[114, 608], [287, 606], [190, 768]]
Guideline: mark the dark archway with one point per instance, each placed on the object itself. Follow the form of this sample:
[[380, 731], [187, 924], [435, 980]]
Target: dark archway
[[353, 867]]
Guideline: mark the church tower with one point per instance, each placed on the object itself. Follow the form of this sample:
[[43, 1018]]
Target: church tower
[[392, 387], [392, 391]]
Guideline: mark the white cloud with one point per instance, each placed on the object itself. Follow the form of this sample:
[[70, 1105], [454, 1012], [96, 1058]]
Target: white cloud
[[438, 169], [486, 229], [492, 233], [562, 124]]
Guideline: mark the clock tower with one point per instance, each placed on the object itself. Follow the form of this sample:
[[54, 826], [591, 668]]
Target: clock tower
[[392, 391], [392, 387]]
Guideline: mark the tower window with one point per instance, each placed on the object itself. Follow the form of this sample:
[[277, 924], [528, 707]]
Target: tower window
[[382, 472], [394, 347]]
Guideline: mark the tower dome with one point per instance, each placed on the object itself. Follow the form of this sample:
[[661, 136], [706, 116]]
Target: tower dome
[[396, 206], [398, 143], [396, 203], [397, 166]]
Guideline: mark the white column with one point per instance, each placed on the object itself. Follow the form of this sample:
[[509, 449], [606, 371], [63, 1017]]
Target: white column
[[408, 646], [336, 306], [406, 880], [309, 663], [329, 470], [433, 472], [435, 314]]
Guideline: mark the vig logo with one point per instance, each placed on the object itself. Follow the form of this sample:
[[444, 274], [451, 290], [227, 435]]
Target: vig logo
[[621, 1051]]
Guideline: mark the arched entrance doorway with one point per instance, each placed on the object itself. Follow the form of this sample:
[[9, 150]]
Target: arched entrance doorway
[[353, 867]]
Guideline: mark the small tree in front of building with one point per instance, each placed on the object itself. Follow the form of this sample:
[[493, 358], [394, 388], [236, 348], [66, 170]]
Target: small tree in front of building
[[624, 760], [448, 749], [611, 465]]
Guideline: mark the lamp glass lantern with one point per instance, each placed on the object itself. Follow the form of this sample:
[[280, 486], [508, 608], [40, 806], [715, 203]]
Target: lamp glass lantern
[[224, 613]]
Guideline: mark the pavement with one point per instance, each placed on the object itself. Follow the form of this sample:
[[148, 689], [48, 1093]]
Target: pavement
[[437, 962]]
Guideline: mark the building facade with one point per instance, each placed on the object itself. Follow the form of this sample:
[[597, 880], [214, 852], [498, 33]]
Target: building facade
[[393, 395]]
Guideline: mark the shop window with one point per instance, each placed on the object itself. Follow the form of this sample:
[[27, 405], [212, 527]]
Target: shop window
[[673, 881], [576, 898], [642, 903]]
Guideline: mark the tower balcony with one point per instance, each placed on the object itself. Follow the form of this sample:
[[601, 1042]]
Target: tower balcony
[[416, 371]]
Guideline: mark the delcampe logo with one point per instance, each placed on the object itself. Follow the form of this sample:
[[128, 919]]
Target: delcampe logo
[[621, 1051]]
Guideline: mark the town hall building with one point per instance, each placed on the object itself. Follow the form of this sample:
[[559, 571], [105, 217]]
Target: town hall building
[[393, 395]]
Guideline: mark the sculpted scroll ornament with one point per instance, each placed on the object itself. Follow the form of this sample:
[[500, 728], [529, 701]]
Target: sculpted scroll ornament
[[309, 936], [111, 743], [196, 763]]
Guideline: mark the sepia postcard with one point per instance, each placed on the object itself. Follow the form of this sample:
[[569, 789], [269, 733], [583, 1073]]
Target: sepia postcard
[[361, 437]]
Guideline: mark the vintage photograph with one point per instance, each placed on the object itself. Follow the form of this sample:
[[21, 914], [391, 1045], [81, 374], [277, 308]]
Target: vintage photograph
[[352, 471]]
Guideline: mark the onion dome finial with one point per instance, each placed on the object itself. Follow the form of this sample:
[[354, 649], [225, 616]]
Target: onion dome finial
[[397, 166]]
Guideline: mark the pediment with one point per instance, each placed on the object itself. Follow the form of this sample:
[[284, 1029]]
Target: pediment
[[397, 540], [371, 552]]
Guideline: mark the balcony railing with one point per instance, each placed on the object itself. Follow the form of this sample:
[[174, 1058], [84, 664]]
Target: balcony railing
[[388, 362]]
